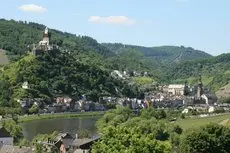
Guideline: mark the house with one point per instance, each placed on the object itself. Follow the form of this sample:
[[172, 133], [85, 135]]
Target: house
[[25, 85], [209, 98], [83, 145], [176, 89], [65, 138], [117, 74], [61, 142], [5, 137]]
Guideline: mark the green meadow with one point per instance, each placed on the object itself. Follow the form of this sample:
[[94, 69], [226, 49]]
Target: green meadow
[[200, 121]]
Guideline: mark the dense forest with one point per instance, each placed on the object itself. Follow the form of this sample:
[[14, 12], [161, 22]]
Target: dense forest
[[158, 57]]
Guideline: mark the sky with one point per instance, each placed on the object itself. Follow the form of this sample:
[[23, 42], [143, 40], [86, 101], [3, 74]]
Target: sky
[[201, 24]]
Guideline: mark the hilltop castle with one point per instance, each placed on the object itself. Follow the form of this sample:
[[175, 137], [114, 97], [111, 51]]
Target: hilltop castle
[[44, 45]]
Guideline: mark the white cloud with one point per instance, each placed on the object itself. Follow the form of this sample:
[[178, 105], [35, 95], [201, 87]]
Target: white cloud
[[32, 8], [119, 20]]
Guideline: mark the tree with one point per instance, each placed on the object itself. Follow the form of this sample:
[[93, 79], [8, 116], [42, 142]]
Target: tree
[[24, 142], [5, 93], [123, 139], [211, 138], [14, 129], [82, 134]]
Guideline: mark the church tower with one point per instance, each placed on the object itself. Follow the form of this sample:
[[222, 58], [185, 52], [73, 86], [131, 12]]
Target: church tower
[[46, 36], [199, 88]]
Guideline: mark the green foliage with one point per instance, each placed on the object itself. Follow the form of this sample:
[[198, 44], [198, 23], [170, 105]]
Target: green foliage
[[34, 109], [82, 134], [149, 113], [211, 138], [144, 80], [14, 129], [121, 139], [5, 94], [44, 137], [24, 142], [114, 118], [122, 131], [8, 110]]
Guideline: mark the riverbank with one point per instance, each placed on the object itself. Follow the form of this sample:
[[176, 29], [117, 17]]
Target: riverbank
[[29, 118]]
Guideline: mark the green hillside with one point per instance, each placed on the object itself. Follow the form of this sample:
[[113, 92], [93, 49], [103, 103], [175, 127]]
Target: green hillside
[[214, 70], [15, 36], [166, 54], [59, 73]]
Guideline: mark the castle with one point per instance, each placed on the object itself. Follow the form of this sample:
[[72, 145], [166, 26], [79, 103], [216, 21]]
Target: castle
[[44, 45]]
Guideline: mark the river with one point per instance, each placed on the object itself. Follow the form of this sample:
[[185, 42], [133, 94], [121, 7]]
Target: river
[[71, 125]]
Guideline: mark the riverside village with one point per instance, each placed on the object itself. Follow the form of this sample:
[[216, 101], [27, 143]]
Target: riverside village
[[189, 100]]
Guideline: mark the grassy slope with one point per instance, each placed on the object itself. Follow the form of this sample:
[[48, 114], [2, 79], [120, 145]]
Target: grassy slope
[[143, 80], [200, 121], [224, 91], [3, 58], [193, 80]]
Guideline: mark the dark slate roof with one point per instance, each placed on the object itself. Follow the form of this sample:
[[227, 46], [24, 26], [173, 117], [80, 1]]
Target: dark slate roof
[[15, 149], [80, 142], [4, 133]]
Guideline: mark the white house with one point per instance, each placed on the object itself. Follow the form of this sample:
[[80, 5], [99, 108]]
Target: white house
[[25, 85], [176, 89], [6, 138]]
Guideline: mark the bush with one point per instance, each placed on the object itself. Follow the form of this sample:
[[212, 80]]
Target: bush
[[212, 138]]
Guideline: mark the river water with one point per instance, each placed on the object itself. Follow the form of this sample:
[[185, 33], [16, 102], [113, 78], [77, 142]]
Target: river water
[[70, 125]]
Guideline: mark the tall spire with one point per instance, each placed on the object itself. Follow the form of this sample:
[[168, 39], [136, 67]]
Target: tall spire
[[46, 30]]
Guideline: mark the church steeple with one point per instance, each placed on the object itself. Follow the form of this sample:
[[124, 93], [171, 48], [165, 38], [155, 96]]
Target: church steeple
[[46, 35]]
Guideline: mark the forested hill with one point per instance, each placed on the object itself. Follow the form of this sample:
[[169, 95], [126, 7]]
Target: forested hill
[[15, 36], [58, 73], [167, 54]]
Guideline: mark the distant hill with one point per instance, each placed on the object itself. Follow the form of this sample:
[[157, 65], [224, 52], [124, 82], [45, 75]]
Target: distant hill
[[167, 54]]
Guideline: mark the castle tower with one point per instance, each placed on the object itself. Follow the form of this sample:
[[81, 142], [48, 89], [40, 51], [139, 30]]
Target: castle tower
[[46, 37]]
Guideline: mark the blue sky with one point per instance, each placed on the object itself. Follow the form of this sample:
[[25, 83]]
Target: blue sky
[[201, 24]]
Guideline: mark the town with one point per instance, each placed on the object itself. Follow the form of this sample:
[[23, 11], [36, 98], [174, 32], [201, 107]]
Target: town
[[114, 77], [189, 100]]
